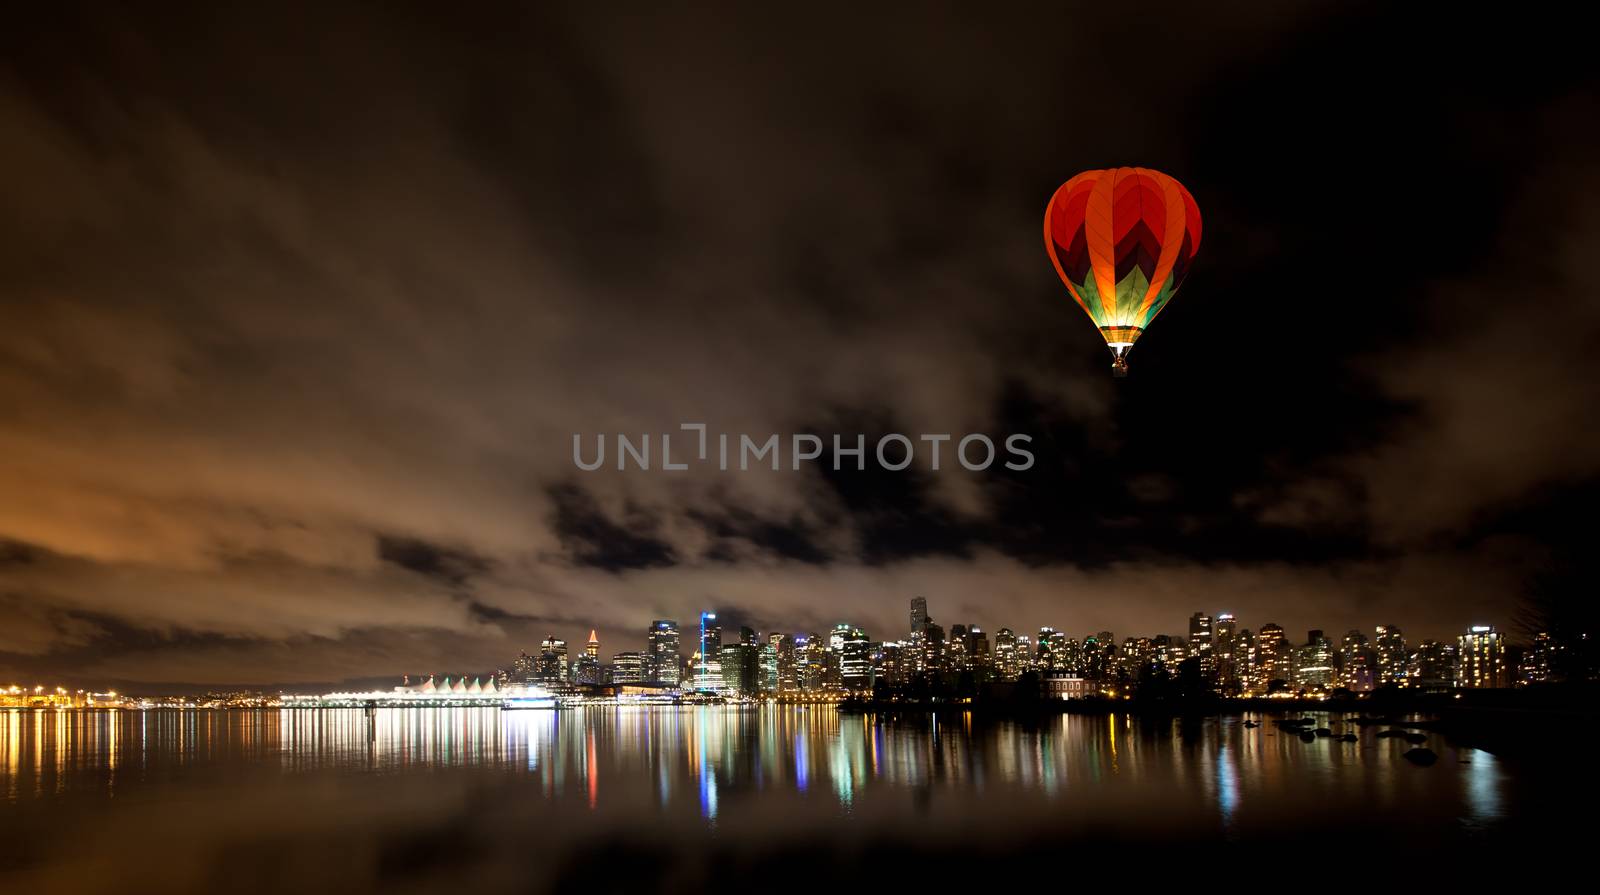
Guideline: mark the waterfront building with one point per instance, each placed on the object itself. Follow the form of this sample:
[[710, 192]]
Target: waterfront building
[[628, 668], [661, 653], [1005, 654], [708, 674], [855, 658], [1059, 685], [1434, 666], [1482, 659], [1200, 641], [1392, 655], [552, 665], [810, 663], [1225, 658], [1314, 669], [1277, 656], [1541, 662]]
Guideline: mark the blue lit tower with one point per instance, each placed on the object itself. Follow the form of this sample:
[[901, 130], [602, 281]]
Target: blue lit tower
[[710, 676]]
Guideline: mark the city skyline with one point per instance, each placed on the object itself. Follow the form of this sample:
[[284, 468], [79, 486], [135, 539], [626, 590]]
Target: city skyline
[[1236, 659]]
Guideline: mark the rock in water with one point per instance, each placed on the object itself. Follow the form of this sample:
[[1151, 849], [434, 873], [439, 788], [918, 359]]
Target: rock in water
[[1421, 756]]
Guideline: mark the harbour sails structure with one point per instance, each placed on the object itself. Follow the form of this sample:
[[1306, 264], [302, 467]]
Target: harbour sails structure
[[479, 693]]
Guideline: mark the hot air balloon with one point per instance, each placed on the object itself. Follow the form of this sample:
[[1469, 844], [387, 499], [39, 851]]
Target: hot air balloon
[[1122, 240]]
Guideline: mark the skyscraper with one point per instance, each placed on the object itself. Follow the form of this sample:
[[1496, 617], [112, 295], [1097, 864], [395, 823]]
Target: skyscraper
[[768, 650], [1542, 661], [978, 649], [919, 614], [710, 671], [1358, 664], [1433, 666], [740, 667], [1225, 657], [855, 659], [552, 666], [1276, 659], [1482, 658], [525, 669], [1391, 648], [1314, 671], [957, 648], [1247, 655], [587, 670], [1005, 654], [661, 657], [627, 668], [809, 664], [1200, 635]]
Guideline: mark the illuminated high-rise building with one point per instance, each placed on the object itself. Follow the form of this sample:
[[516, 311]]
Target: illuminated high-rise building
[[957, 655], [855, 658], [889, 662], [978, 653], [1542, 661], [1392, 655], [1170, 651], [1005, 654], [1100, 656], [919, 614], [1051, 652], [1225, 657], [1433, 666], [810, 663], [933, 647], [739, 665], [1358, 663], [1247, 659], [1200, 641], [552, 667], [709, 674], [1138, 653], [661, 656], [627, 668], [525, 669], [1482, 659], [1314, 670], [1277, 656], [782, 679]]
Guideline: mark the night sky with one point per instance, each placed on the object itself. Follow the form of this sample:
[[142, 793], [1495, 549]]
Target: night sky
[[300, 307]]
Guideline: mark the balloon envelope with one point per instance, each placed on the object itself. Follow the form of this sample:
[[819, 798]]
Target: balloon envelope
[[1122, 240]]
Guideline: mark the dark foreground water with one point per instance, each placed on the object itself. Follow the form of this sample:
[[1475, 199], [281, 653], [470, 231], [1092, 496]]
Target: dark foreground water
[[776, 798]]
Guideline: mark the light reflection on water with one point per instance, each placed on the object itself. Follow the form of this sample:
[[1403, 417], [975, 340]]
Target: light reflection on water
[[45, 753], [309, 774]]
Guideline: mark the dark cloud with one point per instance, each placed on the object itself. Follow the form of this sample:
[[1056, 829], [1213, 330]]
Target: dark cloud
[[594, 539], [278, 286], [447, 564]]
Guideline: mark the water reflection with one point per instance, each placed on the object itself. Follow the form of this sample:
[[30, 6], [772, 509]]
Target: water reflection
[[384, 790], [709, 753]]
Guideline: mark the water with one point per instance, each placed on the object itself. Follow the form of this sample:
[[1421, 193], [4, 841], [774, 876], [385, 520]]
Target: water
[[664, 798]]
